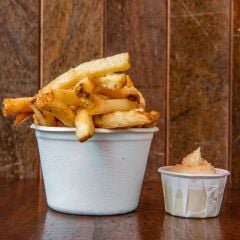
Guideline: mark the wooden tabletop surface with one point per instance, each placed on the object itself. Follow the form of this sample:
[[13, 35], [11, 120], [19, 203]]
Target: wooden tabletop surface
[[25, 215]]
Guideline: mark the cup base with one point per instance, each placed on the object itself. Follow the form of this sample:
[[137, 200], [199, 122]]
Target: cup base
[[91, 213], [192, 217]]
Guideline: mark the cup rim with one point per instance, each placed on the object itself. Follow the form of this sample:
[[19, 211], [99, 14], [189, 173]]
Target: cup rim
[[219, 173], [97, 130]]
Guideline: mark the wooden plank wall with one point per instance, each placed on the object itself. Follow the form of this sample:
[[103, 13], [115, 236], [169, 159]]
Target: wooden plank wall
[[235, 97], [184, 56], [145, 39], [19, 61], [199, 79], [72, 32]]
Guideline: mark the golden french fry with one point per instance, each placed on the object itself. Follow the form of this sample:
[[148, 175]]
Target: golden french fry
[[69, 97], [110, 105], [112, 81], [96, 92], [61, 111], [150, 125], [130, 93], [127, 119], [104, 97], [129, 81], [59, 124], [84, 125], [13, 106], [94, 68], [104, 66], [65, 81], [21, 117], [41, 100], [35, 120], [84, 87], [43, 117], [142, 102], [125, 92]]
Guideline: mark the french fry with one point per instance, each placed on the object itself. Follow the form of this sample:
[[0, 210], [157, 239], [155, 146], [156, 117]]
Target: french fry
[[84, 125], [112, 81], [110, 105], [94, 68], [21, 117], [127, 93], [142, 102], [13, 106], [70, 97], [104, 66], [150, 125], [130, 93], [84, 87], [65, 81], [104, 97], [129, 81], [43, 118], [61, 111], [127, 119], [59, 124], [93, 94], [67, 97]]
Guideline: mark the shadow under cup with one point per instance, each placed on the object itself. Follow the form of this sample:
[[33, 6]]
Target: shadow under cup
[[102, 176]]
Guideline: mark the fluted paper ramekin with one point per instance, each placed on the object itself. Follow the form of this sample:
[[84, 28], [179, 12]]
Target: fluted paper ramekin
[[193, 195]]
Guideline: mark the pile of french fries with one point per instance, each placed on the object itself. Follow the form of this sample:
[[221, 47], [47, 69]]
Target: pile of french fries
[[95, 94]]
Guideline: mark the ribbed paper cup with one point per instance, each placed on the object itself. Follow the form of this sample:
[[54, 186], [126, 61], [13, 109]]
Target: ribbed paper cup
[[193, 195], [102, 176]]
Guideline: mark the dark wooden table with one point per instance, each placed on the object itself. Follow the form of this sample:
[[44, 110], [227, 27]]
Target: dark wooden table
[[24, 215]]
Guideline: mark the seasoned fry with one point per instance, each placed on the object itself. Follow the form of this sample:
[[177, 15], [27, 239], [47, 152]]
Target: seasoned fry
[[93, 94], [112, 81], [84, 125], [142, 102], [101, 96], [84, 87], [61, 111], [129, 81], [150, 125], [126, 92], [65, 81], [21, 117], [70, 97], [43, 117], [110, 105], [127, 119], [13, 106], [104, 66], [60, 124], [131, 93], [94, 68], [42, 99]]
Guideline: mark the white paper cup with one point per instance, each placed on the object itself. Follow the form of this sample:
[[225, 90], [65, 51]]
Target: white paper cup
[[193, 195], [102, 176]]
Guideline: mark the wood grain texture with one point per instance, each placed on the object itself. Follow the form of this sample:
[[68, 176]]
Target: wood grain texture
[[76, 31], [235, 130], [71, 33], [19, 60], [26, 216], [198, 87], [139, 27]]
